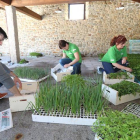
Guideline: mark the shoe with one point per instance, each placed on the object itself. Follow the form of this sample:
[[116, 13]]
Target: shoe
[[79, 72], [98, 70], [2, 95]]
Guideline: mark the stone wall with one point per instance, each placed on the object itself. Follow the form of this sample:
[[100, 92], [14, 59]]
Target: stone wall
[[92, 35]]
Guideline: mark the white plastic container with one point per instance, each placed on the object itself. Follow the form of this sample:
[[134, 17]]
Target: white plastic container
[[58, 72], [57, 117]]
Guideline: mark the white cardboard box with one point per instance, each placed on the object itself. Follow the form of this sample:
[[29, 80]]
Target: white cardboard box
[[114, 81], [112, 95], [58, 72], [29, 87], [20, 103]]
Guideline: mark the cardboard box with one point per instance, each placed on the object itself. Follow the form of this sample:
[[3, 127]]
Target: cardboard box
[[108, 81], [21, 103], [58, 72], [29, 87], [24, 102], [112, 95]]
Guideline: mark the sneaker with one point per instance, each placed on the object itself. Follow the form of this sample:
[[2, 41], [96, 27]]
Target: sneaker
[[98, 70], [2, 95]]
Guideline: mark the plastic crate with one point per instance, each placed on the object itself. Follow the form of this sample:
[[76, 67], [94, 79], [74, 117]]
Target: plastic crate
[[134, 46]]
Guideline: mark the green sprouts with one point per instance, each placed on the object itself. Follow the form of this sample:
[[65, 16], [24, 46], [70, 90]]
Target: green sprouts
[[31, 73], [71, 80], [36, 54], [67, 97], [118, 75], [22, 61], [126, 87], [115, 125], [134, 63]]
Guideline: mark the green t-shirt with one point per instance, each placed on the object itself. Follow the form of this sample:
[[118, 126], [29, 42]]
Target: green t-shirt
[[113, 54], [70, 52]]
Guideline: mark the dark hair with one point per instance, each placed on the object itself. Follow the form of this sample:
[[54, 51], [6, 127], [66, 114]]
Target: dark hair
[[62, 43], [3, 32], [119, 39]]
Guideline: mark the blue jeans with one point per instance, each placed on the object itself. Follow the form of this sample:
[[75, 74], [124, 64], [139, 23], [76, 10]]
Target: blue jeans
[[1, 84], [108, 67], [76, 66]]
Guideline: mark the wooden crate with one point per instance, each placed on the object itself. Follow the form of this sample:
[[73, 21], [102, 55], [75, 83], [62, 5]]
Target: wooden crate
[[112, 95], [108, 81], [20, 103]]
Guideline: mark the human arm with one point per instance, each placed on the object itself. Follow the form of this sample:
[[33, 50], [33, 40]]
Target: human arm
[[64, 55], [16, 79], [122, 67], [76, 54], [124, 60], [6, 80]]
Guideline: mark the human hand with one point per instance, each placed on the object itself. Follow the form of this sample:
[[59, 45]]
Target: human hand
[[123, 60], [17, 80], [66, 65], [128, 69]]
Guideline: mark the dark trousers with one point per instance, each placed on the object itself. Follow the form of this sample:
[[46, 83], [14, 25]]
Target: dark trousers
[[76, 66], [109, 68]]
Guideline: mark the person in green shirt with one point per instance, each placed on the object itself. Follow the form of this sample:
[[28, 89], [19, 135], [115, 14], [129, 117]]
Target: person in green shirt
[[74, 56], [116, 57]]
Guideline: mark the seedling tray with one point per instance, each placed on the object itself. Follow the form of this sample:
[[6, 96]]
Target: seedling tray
[[64, 118], [106, 80], [133, 109], [29, 80]]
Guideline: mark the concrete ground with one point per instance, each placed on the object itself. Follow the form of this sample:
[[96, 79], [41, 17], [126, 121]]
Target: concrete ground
[[22, 121]]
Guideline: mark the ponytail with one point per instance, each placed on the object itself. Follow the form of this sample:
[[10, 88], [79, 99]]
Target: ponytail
[[113, 41], [119, 39]]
